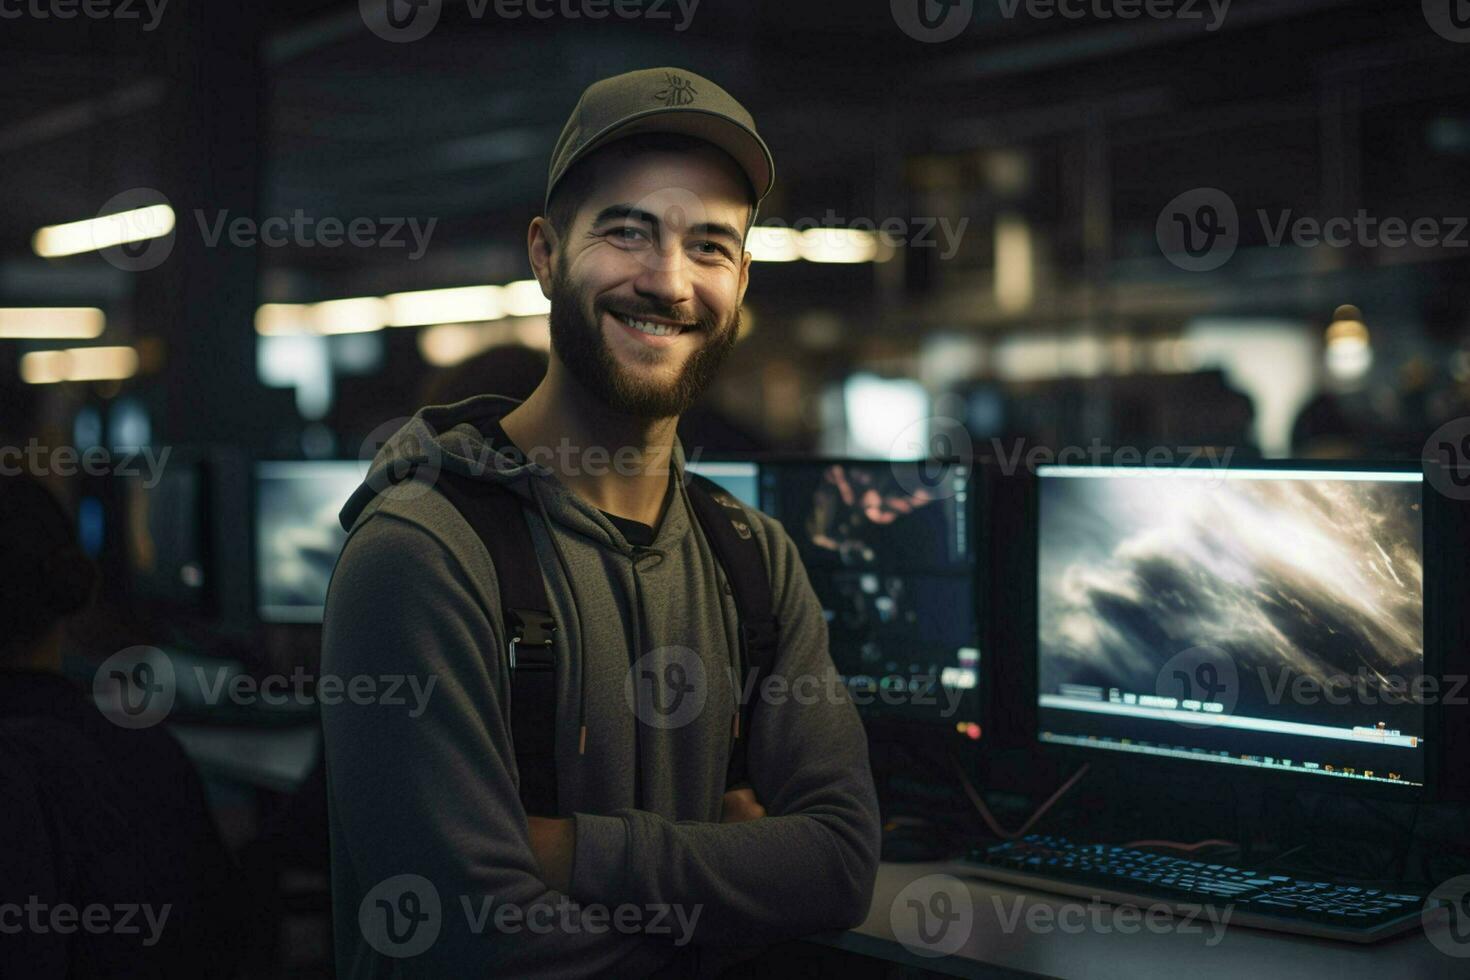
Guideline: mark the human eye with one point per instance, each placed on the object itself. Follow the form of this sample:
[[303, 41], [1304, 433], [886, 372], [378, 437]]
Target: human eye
[[629, 234], [706, 248]]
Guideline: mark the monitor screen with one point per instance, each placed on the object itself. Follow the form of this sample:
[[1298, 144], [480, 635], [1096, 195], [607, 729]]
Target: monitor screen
[[166, 535], [297, 534], [740, 480], [889, 552], [1265, 618]]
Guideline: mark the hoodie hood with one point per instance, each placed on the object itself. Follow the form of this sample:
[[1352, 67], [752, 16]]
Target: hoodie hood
[[450, 438]]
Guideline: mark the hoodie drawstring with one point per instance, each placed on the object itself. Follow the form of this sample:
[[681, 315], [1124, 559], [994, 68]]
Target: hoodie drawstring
[[736, 652]]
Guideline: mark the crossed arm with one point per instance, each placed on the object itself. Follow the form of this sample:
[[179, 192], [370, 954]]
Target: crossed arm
[[554, 839]]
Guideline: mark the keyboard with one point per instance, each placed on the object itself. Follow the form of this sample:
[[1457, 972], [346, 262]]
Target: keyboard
[[1124, 876]]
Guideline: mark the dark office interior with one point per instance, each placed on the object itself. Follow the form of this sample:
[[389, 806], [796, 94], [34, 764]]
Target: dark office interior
[[1104, 364]]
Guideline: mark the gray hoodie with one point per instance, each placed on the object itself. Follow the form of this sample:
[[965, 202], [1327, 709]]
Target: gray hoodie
[[432, 869]]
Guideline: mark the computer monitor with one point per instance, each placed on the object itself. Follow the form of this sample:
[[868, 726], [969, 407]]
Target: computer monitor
[[740, 479], [298, 536], [1268, 620], [890, 552], [166, 526]]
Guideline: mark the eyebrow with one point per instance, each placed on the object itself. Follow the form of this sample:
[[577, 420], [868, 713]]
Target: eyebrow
[[617, 212]]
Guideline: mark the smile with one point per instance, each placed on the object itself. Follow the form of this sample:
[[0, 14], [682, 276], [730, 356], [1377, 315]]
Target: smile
[[652, 328], [651, 332]]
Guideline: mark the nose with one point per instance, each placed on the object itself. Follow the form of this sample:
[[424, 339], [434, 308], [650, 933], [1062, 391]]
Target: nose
[[666, 277]]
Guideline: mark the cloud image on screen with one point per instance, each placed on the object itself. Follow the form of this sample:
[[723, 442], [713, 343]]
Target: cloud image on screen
[[1315, 577], [298, 534]]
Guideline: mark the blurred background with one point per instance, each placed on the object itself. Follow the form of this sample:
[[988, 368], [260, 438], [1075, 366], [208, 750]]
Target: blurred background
[[987, 219], [271, 231]]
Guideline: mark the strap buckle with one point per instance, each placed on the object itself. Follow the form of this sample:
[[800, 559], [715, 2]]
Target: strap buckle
[[534, 630]]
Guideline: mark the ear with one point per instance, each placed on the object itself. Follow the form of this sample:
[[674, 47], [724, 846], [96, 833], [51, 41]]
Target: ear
[[541, 248], [744, 278], [745, 258]]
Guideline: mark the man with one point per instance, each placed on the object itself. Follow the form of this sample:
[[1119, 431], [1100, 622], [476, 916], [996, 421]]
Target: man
[[437, 868]]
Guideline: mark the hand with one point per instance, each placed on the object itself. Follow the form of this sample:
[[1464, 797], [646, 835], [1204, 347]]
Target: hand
[[740, 805], [554, 840]]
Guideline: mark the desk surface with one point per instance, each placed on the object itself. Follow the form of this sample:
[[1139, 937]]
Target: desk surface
[[1001, 931]]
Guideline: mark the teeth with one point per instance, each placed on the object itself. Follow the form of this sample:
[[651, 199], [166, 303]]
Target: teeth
[[655, 329]]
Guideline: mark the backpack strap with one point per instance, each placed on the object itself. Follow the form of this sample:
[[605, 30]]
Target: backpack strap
[[498, 518], [727, 528]]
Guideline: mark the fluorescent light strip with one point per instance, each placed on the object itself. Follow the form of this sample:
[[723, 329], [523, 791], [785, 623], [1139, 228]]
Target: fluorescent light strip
[[79, 364], [524, 298], [839, 245], [1226, 473], [95, 234], [283, 319], [51, 323], [427, 307], [773, 244], [362, 315]]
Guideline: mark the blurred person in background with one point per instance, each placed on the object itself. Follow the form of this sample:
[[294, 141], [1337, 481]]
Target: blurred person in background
[[95, 816], [513, 370]]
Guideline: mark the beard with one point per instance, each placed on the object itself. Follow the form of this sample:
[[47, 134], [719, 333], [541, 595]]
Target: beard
[[583, 349]]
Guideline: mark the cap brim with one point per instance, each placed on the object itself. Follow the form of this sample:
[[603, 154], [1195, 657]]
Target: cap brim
[[747, 149]]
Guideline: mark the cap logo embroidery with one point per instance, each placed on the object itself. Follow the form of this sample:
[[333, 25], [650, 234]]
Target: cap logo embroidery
[[679, 90]]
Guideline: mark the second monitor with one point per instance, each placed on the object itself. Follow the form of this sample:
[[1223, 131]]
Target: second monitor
[[890, 550]]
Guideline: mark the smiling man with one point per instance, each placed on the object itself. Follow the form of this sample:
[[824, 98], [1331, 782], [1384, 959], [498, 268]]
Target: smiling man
[[578, 796]]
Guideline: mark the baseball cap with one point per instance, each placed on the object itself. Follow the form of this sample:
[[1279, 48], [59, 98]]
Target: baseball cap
[[662, 100]]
